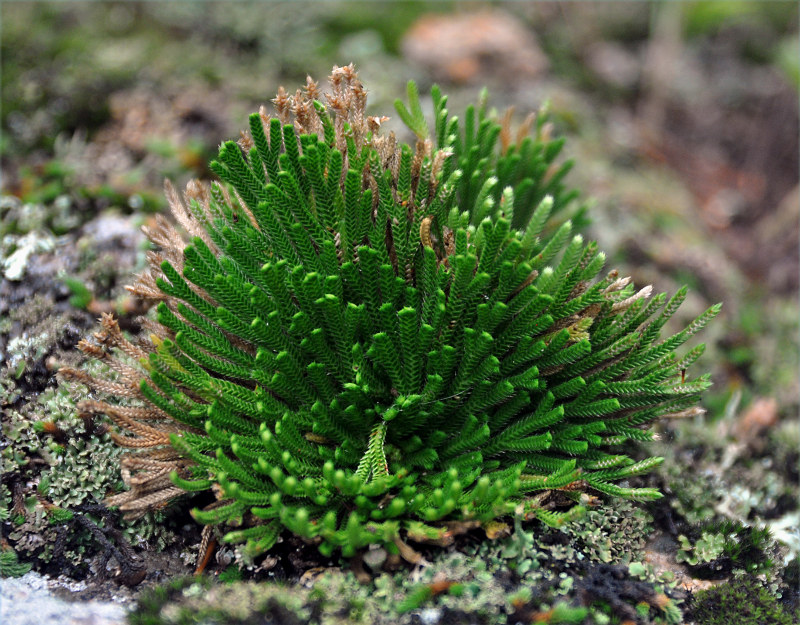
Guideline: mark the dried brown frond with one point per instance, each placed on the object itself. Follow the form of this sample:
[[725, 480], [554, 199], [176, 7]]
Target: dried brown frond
[[303, 111], [526, 283], [282, 103], [387, 152], [163, 234], [449, 241], [129, 376], [117, 339], [505, 130], [546, 133], [688, 413], [593, 310], [145, 288], [565, 322], [262, 113], [154, 459], [156, 480], [374, 123], [349, 72], [337, 102], [578, 289], [245, 141], [425, 231], [135, 506], [409, 554], [359, 103], [152, 327], [525, 127], [96, 384], [243, 208], [421, 152], [159, 433], [336, 78], [617, 284], [641, 294], [439, 159], [197, 190], [207, 545], [312, 89], [522, 130], [137, 442]]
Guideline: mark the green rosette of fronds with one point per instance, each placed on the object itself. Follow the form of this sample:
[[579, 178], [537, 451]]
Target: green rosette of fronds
[[364, 340]]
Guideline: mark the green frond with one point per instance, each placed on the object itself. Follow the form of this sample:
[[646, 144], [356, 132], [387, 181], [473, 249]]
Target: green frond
[[637, 494], [559, 519], [412, 116], [259, 538], [222, 514]]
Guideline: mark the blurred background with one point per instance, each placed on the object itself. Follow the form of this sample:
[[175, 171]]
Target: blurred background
[[682, 119]]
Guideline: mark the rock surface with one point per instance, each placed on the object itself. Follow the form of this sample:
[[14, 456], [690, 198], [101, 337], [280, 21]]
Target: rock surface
[[30, 600]]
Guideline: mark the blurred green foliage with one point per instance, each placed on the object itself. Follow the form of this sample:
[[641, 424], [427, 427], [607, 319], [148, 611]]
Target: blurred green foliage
[[709, 16]]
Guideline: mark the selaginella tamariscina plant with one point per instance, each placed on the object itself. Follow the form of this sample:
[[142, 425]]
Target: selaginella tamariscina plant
[[368, 342]]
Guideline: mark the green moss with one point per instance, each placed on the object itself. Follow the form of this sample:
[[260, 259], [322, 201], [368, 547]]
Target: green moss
[[744, 601], [10, 566]]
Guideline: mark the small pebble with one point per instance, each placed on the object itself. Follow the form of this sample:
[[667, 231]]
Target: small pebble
[[430, 616]]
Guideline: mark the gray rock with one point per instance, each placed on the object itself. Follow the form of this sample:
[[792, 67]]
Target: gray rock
[[28, 600]]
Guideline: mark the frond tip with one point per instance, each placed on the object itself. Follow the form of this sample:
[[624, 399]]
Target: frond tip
[[364, 340]]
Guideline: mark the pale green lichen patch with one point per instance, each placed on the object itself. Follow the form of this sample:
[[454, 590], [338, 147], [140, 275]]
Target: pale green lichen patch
[[49, 455], [80, 468], [17, 250], [86, 460]]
